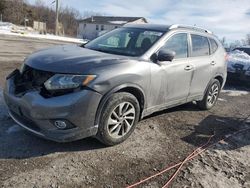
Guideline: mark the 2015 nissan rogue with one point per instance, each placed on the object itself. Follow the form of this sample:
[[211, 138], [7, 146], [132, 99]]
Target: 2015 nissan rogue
[[103, 88]]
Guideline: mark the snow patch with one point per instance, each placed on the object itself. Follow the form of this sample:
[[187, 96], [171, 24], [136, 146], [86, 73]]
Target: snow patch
[[238, 56], [11, 29], [6, 26], [223, 100], [235, 93], [118, 22]]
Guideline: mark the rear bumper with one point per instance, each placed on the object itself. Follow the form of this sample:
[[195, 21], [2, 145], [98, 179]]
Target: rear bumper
[[37, 114]]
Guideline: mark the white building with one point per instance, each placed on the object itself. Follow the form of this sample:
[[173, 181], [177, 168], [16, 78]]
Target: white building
[[92, 27]]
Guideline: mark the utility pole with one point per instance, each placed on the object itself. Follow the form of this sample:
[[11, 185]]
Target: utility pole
[[57, 15]]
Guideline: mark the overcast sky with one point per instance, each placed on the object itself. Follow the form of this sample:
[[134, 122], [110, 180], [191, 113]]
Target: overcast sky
[[229, 18]]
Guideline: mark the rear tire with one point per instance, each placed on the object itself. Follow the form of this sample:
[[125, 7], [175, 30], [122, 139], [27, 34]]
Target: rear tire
[[211, 95], [119, 117]]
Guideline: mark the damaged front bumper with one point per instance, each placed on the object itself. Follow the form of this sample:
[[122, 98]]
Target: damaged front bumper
[[37, 114]]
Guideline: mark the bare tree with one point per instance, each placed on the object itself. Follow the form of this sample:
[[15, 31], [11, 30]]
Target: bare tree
[[248, 39], [235, 44], [223, 41], [15, 11], [2, 6]]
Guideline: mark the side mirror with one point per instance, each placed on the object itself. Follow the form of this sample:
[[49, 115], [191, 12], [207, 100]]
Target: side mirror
[[165, 55]]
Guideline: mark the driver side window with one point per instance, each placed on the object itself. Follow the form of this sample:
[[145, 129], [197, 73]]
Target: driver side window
[[179, 44]]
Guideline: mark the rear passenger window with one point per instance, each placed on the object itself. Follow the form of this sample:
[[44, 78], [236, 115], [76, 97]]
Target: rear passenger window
[[200, 46], [178, 43], [214, 45]]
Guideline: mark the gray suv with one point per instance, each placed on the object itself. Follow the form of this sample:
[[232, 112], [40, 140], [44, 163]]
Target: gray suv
[[103, 88]]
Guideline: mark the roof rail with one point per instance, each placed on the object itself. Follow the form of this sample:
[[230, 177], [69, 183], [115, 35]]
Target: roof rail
[[175, 26]]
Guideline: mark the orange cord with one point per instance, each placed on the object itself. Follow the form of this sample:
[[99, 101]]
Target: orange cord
[[195, 153]]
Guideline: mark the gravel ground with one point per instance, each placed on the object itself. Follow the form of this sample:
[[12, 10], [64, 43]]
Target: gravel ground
[[160, 140]]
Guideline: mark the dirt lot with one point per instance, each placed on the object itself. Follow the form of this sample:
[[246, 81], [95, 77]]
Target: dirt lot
[[160, 140]]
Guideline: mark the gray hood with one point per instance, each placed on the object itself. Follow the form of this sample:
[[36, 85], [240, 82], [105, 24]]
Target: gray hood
[[71, 59]]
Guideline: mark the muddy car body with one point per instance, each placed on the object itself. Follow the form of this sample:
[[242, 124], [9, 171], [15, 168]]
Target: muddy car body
[[105, 87]]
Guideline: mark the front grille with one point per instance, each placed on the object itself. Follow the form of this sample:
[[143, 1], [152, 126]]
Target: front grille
[[30, 79]]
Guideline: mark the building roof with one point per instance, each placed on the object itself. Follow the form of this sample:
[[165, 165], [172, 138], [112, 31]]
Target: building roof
[[111, 20]]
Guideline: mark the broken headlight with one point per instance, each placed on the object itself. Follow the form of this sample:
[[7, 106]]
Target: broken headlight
[[67, 81]]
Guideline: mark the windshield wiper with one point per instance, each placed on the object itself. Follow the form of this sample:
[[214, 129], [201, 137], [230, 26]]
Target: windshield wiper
[[109, 51]]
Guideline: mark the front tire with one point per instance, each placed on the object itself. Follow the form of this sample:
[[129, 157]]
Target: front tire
[[119, 117], [211, 96]]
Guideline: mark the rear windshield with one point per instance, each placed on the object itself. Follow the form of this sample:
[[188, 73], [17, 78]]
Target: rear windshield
[[246, 50], [125, 41]]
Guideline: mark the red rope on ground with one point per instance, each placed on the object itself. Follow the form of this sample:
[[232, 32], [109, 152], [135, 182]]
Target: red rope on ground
[[195, 153], [187, 159], [171, 167]]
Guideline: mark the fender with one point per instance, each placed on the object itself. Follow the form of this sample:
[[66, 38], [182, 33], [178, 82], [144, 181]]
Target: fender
[[209, 83], [114, 90]]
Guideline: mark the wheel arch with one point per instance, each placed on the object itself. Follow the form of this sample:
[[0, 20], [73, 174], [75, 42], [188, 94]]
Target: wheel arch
[[130, 88], [220, 79], [217, 77]]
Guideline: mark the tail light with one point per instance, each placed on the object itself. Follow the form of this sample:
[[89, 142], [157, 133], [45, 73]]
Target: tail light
[[226, 57]]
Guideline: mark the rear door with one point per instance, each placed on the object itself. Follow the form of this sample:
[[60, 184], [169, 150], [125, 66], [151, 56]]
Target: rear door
[[202, 63]]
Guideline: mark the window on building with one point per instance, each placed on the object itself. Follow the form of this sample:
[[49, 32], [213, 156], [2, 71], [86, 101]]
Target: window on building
[[200, 46], [97, 27], [102, 27]]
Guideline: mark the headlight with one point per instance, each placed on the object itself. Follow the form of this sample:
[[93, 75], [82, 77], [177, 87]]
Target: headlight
[[67, 81]]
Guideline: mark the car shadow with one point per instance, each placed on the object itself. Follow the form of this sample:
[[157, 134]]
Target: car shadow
[[17, 143], [220, 127]]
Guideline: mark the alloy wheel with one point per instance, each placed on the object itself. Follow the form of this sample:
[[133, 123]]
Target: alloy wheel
[[213, 94], [121, 120]]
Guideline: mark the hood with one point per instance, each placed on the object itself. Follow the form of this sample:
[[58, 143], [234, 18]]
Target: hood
[[71, 59]]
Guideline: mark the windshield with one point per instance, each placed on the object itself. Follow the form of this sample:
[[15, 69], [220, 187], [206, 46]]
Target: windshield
[[125, 41]]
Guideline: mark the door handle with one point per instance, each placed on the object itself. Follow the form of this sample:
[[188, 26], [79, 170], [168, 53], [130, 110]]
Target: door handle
[[188, 67], [213, 63]]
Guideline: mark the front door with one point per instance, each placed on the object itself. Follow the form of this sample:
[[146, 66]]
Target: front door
[[174, 77]]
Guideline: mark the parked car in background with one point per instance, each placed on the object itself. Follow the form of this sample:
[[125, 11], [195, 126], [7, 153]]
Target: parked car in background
[[103, 88], [238, 64]]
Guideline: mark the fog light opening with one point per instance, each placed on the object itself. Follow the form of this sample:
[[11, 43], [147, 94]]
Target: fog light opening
[[60, 124]]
